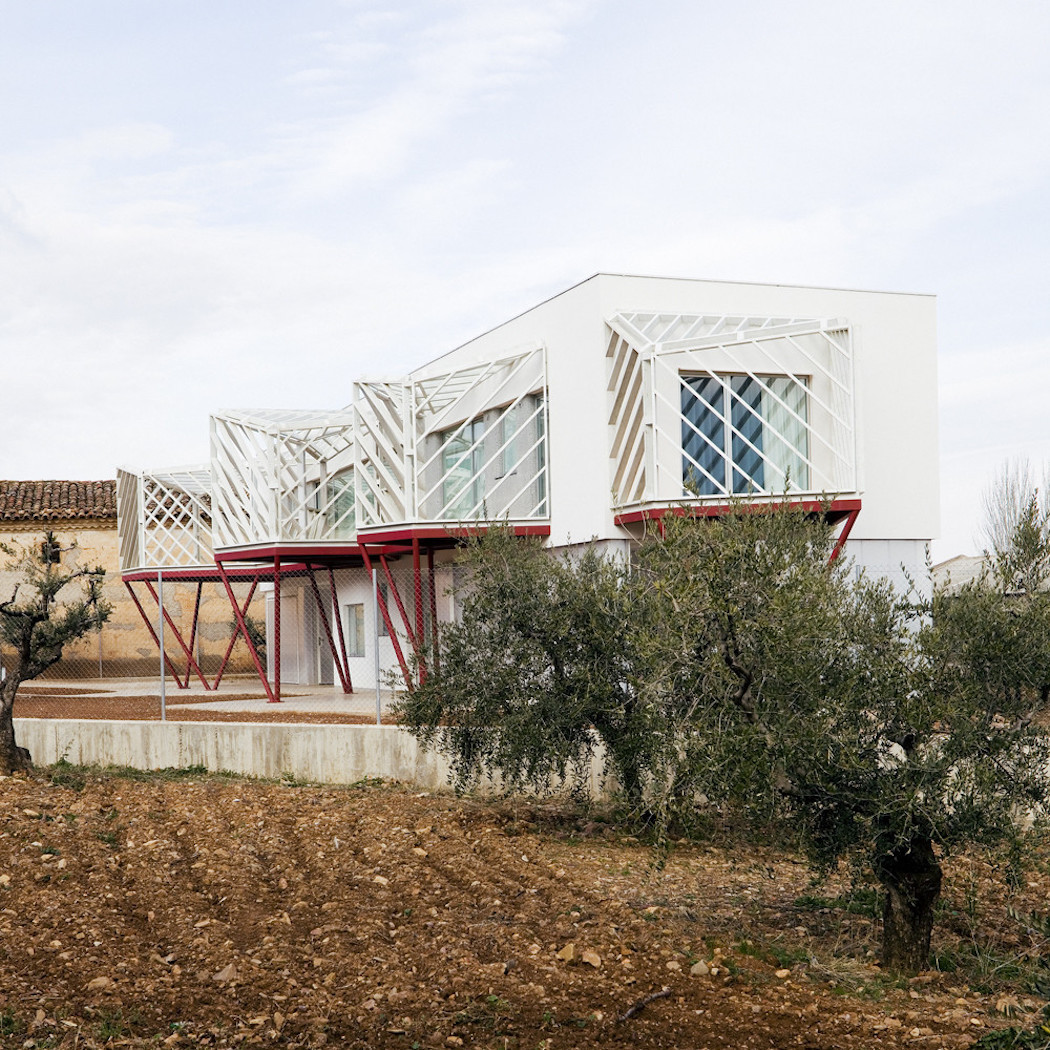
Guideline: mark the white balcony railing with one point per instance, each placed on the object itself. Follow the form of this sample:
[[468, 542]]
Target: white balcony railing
[[283, 477], [468, 444]]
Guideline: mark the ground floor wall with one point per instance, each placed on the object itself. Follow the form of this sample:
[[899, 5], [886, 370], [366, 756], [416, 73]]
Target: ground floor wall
[[321, 611], [902, 562], [354, 619]]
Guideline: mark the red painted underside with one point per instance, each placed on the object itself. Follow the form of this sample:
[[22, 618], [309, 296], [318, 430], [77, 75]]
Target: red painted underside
[[251, 563], [835, 510], [443, 535]]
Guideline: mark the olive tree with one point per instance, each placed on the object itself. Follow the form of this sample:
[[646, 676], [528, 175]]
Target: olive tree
[[798, 690], [37, 624], [733, 666], [540, 668]]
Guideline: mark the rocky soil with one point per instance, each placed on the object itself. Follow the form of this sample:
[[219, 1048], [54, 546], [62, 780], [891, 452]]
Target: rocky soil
[[185, 910]]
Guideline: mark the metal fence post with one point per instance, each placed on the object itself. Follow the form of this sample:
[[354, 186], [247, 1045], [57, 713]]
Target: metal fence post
[[160, 635], [375, 640]]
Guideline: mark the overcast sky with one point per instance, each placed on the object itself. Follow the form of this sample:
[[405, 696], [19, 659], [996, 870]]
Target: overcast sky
[[208, 204]]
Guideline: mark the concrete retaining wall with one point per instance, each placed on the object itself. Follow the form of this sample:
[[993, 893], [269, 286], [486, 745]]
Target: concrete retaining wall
[[333, 754], [320, 754]]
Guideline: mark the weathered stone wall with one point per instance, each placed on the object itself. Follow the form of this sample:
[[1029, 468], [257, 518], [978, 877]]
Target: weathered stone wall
[[123, 647]]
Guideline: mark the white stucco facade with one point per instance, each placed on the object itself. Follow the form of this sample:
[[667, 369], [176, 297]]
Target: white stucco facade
[[577, 420], [895, 390]]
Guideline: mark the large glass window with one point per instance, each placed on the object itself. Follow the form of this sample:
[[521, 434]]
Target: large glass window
[[509, 424], [743, 433], [541, 459], [521, 427], [462, 483]]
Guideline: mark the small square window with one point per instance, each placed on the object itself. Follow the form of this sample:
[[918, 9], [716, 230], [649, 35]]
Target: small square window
[[355, 630]]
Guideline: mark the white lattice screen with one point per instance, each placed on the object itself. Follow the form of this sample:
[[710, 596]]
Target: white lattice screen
[[716, 406]]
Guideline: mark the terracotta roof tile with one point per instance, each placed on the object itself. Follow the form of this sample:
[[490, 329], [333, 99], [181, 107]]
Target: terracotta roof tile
[[49, 500]]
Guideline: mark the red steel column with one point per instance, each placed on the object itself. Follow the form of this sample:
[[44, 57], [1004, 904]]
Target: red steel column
[[417, 580], [433, 606], [276, 698]]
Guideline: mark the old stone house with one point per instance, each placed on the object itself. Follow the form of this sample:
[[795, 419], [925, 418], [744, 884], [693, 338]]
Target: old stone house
[[82, 517]]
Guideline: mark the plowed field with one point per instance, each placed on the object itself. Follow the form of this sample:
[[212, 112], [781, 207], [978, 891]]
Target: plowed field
[[184, 910]]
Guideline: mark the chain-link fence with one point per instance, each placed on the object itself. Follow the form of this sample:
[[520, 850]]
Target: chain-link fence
[[330, 642]]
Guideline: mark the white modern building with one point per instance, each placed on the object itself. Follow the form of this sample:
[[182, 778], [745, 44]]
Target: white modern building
[[580, 419]]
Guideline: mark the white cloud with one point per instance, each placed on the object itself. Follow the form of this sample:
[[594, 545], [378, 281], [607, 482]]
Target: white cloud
[[355, 187]]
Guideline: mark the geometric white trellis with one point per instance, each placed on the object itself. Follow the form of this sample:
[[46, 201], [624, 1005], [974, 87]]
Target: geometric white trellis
[[480, 441], [703, 407], [467, 444], [164, 518], [282, 477]]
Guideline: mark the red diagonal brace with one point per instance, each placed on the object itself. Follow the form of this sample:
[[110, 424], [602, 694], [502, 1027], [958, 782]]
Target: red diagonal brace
[[193, 625], [152, 631], [191, 664], [344, 675], [236, 632], [847, 528], [339, 626], [381, 601], [400, 604], [242, 627]]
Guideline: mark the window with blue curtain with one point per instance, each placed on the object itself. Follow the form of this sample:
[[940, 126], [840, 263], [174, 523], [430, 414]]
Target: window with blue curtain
[[743, 433]]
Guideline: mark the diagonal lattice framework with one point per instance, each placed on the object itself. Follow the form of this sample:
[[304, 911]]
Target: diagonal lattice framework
[[464, 445], [283, 476], [706, 406], [468, 444], [164, 518], [379, 410], [480, 441]]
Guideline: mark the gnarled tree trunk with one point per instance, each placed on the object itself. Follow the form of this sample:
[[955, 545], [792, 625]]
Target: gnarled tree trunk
[[911, 876], [12, 757]]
